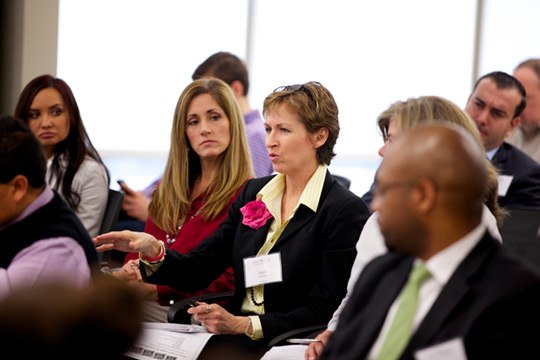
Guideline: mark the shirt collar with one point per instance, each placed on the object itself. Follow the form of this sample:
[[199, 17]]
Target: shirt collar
[[43, 199], [491, 153], [311, 194]]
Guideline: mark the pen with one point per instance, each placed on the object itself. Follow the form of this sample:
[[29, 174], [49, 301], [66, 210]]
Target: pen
[[303, 341]]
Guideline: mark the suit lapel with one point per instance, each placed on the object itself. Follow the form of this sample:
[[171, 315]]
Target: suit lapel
[[452, 294], [499, 159], [384, 289], [257, 237], [303, 216]]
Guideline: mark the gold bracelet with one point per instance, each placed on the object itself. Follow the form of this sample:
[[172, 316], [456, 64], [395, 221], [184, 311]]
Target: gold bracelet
[[249, 325]]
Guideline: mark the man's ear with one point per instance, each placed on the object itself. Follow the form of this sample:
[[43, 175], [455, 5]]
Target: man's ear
[[513, 123], [424, 195], [237, 88], [18, 187]]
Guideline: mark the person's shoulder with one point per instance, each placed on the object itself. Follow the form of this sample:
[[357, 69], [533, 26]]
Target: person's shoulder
[[91, 163], [62, 246], [91, 168], [383, 264], [518, 274], [338, 192], [253, 117], [260, 181], [516, 154], [253, 185]]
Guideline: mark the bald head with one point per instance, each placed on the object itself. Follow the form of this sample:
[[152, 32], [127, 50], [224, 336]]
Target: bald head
[[430, 188]]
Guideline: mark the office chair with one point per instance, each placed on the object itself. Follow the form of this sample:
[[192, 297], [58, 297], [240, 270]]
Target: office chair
[[110, 218], [520, 235], [114, 205]]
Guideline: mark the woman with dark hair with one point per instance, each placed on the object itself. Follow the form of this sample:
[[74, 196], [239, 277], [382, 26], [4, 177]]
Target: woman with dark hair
[[289, 238], [74, 167]]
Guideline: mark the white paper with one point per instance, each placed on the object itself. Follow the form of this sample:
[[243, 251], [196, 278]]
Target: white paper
[[286, 352], [504, 184], [448, 350], [174, 327], [262, 270], [163, 344]]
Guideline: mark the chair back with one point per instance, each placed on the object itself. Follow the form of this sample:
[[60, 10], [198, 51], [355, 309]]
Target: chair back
[[114, 205], [520, 235]]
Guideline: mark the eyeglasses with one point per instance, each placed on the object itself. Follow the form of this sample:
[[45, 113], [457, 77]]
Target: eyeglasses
[[379, 190], [295, 88]]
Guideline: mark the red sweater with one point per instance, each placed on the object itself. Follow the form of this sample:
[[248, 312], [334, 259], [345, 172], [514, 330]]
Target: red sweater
[[191, 234]]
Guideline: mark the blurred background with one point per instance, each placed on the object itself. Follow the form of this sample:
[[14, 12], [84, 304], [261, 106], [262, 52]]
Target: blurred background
[[127, 61]]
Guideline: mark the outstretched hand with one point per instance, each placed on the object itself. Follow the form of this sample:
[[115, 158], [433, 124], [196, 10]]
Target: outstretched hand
[[128, 241]]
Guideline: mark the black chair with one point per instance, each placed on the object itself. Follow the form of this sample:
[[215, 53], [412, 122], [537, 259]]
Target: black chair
[[178, 314], [110, 218], [343, 180], [114, 205], [519, 232]]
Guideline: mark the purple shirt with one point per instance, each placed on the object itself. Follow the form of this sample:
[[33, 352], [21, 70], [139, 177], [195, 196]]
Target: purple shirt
[[256, 137], [55, 259]]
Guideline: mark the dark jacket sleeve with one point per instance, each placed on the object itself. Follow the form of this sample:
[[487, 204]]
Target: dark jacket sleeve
[[198, 269]]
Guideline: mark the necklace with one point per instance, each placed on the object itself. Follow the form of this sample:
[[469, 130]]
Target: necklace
[[253, 298], [172, 237]]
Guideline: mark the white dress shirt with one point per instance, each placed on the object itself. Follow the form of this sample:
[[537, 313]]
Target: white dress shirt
[[441, 266], [371, 244]]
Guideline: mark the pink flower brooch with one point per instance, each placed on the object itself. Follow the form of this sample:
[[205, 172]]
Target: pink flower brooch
[[255, 214]]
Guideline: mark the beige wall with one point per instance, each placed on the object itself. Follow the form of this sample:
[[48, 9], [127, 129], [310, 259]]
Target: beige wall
[[29, 43]]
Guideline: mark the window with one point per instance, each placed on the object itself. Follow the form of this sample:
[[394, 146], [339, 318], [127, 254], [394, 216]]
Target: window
[[128, 61]]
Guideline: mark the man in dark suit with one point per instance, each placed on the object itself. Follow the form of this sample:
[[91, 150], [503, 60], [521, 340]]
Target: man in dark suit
[[477, 302], [496, 104]]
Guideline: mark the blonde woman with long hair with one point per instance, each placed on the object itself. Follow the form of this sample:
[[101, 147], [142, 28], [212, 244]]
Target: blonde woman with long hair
[[298, 227], [208, 164]]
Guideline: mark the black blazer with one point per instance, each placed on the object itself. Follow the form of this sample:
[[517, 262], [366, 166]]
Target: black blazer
[[317, 252], [524, 191], [491, 302]]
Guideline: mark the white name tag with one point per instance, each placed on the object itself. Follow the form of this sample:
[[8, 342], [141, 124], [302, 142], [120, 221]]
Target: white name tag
[[448, 350], [504, 184], [262, 270]]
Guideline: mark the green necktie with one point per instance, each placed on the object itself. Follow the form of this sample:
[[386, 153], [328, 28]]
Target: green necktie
[[400, 331]]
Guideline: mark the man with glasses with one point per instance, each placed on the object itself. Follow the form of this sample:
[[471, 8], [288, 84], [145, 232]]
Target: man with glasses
[[446, 289]]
